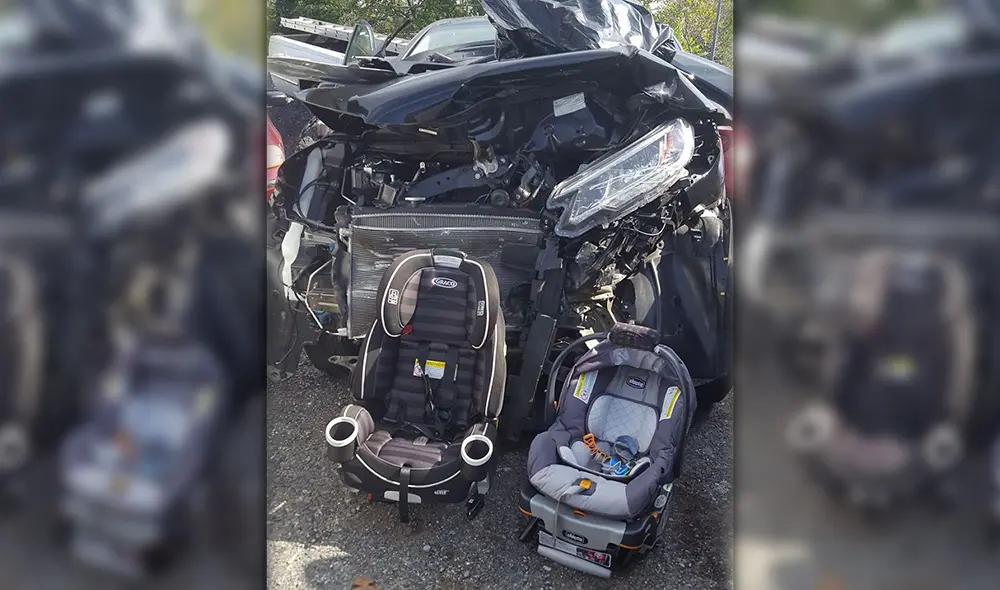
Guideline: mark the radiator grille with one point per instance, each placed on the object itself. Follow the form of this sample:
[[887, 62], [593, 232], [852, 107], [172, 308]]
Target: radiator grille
[[379, 236]]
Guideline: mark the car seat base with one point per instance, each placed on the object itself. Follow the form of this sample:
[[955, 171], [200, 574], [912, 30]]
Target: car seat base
[[587, 541]]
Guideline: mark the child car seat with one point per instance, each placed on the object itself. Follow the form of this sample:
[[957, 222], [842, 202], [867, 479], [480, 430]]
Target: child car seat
[[900, 379], [429, 386], [600, 477], [128, 469]]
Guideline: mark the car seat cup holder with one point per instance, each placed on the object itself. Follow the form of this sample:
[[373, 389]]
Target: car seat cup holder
[[811, 429], [341, 439], [476, 451], [942, 449]]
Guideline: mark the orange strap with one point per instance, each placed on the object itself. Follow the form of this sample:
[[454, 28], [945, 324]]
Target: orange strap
[[591, 441]]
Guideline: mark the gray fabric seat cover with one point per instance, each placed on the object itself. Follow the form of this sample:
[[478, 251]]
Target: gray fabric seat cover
[[614, 391]]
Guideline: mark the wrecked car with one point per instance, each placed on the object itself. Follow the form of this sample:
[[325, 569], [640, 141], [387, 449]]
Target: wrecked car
[[581, 164]]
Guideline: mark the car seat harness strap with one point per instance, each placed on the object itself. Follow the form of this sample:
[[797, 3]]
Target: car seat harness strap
[[442, 415]]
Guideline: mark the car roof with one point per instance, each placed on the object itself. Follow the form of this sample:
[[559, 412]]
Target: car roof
[[459, 19]]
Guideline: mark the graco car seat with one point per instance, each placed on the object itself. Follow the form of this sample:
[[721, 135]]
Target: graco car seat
[[600, 478], [899, 392], [429, 386]]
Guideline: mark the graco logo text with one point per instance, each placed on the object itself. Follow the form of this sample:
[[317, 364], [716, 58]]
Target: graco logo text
[[444, 282]]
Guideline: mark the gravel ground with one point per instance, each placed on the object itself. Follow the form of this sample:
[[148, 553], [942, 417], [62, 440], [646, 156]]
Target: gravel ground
[[31, 558], [792, 536], [322, 536]]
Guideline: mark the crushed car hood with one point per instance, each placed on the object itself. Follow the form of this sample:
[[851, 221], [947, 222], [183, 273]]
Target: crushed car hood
[[528, 28], [447, 98]]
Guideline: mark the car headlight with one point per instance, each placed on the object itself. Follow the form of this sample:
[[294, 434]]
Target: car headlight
[[623, 181]]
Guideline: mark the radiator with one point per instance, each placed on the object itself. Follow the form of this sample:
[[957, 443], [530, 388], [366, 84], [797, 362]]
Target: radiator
[[378, 236]]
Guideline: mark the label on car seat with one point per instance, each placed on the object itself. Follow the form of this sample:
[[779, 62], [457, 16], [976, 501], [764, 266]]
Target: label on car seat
[[435, 369], [669, 402], [584, 387]]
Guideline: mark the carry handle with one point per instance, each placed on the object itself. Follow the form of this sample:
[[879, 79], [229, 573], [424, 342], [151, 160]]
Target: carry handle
[[634, 336], [550, 398]]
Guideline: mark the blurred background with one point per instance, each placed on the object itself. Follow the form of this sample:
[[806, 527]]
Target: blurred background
[[131, 265], [867, 341]]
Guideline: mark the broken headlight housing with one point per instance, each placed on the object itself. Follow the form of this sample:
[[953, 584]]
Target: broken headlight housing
[[623, 181]]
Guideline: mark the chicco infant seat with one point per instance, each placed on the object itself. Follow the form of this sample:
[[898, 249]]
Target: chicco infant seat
[[429, 385], [600, 477]]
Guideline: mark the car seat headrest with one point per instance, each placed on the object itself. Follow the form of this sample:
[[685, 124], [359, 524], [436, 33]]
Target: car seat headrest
[[482, 279], [634, 336]]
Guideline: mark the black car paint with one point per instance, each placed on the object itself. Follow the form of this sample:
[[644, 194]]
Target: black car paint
[[442, 99]]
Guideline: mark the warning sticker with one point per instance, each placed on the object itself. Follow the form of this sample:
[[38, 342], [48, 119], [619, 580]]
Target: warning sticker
[[669, 402], [435, 369], [585, 386], [568, 104]]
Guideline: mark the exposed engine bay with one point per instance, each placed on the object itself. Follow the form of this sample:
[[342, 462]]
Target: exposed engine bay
[[375, 206]]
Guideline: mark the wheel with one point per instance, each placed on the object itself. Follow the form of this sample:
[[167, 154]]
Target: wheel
[[710, 394]]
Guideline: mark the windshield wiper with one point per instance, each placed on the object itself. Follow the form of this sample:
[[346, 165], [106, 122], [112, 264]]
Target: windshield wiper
[[389, 38]]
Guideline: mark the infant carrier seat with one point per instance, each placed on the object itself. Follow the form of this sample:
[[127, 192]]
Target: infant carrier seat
[[429, 386], [600, 478], [899, 389]]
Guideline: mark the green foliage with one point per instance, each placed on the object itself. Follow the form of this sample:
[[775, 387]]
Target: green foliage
[[694, 21], [857, 14], [229, 26]]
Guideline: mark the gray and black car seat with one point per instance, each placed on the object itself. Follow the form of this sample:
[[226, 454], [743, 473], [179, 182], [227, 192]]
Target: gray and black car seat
[[429, 386], [627, 388], [898, 382]]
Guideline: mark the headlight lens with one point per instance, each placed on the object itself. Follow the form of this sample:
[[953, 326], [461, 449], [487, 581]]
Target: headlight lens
[[624, 181]]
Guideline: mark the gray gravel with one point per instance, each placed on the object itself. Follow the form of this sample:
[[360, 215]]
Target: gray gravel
[[31, 557], [793, 536], [322, 536]]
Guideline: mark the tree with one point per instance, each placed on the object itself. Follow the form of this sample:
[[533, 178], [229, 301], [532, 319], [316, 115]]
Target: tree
[[694, 21]]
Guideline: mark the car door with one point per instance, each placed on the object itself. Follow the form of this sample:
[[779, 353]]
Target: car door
[[361, 44]]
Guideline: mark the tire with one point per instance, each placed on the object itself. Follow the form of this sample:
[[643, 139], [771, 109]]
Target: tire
[[710, 394]]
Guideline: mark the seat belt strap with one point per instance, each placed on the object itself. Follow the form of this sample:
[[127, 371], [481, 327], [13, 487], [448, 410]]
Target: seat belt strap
[[448, 392], [429, 394]]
